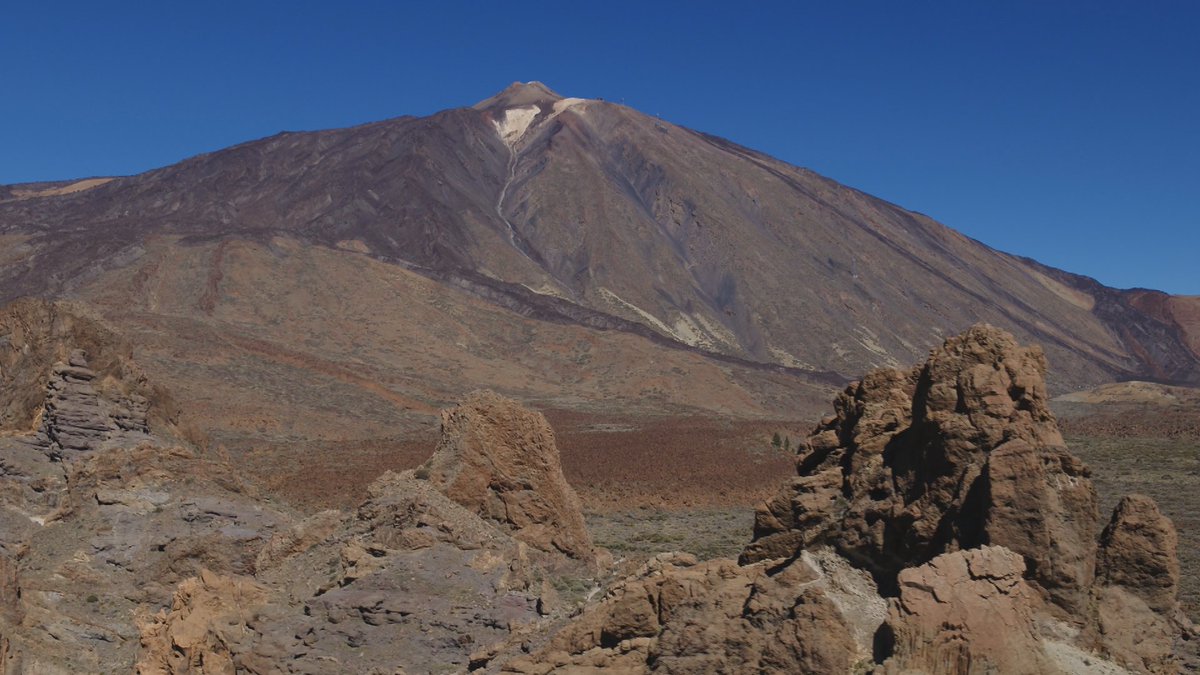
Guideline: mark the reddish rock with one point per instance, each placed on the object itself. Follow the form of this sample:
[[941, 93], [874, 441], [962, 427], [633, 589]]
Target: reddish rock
[[1134, 635], [1138, 620], [965, 612], [1042, 505], [1139, 553], [676, 616], [958, 453], [205, 629], [500, 460]]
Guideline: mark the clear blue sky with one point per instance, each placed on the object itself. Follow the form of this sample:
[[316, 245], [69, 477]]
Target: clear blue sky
[[1068, 132]]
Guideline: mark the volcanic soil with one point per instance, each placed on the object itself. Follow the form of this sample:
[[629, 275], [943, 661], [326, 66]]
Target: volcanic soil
[[1144, 437]]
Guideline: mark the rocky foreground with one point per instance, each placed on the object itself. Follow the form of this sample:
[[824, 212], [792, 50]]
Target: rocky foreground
[[937, 524]]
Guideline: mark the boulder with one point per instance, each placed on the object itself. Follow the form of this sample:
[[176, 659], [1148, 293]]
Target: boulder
[[965, 612], [1139, 553], [1138, 620], [500, 460]]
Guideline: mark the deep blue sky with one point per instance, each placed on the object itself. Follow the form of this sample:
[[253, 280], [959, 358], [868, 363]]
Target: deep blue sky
[[1068, 132]]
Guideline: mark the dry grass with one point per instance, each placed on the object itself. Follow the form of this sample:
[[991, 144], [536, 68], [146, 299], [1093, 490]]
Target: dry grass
[[706, 533]]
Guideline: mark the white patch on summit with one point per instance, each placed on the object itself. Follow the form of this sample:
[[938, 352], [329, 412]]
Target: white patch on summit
[[515, 123]]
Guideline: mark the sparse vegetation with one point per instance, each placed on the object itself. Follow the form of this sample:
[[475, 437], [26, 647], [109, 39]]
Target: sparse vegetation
[[1165, 469], [706, 533], [1148, 448]]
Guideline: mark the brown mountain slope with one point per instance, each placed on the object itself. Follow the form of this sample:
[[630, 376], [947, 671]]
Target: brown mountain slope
[[586, 212], [277, 343]]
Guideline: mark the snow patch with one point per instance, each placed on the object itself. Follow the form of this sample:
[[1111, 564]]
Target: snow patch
[[515, 123]]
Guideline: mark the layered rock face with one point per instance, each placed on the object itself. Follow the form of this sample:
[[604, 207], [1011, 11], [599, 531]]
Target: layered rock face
[[501, 461], [958, 453], [52, 355], [76, 419]]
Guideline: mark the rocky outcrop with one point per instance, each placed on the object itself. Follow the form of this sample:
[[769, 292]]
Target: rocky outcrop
[[127, 525], [1138, 553], [965, 612], [224, 580], [475, 560], [75, 419], [411, 578], [44, 342], [676, 615], [952, 484], [500, 461], [204, 632], [1138, 619], [958, 453]]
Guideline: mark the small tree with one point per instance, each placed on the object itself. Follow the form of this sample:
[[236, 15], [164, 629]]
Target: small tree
[[776, 440], [787, 443]]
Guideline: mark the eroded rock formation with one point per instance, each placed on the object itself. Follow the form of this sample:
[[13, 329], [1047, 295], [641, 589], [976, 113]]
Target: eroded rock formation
[[500, 460], [1138, 617], [946, 487], [958, 453], [75, 418], [682, 616], [1138, 552], [46, 342], [951, 486]]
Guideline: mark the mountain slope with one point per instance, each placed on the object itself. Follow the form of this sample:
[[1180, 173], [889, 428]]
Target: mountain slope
[[586, 212]]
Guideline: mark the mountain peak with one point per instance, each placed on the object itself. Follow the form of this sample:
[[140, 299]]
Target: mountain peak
[[520, 94]]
